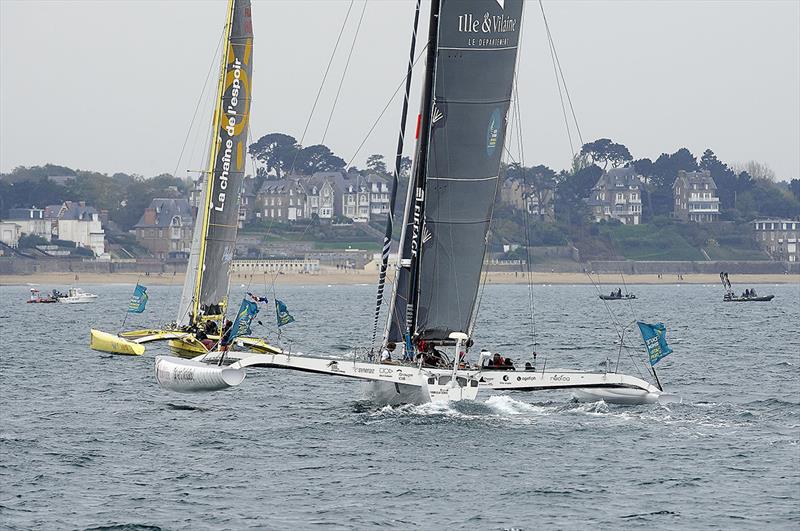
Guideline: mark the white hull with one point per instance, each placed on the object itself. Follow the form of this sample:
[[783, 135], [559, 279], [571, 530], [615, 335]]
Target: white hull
[[394, 394], [77, 296], [410, 384], [83, 299], [625, 396], [190, 376]]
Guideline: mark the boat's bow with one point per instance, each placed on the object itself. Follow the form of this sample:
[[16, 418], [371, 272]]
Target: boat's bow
[[105, 342], [190, 376], [613, 388]]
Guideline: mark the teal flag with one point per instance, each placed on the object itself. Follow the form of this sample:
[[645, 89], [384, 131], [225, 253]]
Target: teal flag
[[655, 340], [282, 313], [138, 299], [241, 325]]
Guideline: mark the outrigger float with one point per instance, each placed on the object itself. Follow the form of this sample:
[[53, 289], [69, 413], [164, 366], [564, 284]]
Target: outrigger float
[[461, 134]]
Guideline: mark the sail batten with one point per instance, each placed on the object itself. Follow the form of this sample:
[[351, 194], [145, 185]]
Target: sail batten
[[464, 129]]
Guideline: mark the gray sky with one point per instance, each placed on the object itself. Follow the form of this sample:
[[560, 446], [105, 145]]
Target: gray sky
[[112, 86]]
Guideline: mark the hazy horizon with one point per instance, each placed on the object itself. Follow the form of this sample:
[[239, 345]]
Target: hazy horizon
[[112, 87]]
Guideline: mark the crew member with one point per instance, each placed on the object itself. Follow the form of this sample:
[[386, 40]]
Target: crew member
[[386, 355]]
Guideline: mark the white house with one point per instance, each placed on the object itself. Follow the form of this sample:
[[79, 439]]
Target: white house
[[779, 237], [9, 233], [81, 224], [31, 221]]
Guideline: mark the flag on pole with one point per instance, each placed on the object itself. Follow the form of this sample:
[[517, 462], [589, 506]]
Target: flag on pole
[[655, 340], [138, 299], [244, 317], [282, 313]]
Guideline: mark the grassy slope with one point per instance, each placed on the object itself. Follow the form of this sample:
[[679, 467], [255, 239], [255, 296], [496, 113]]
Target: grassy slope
[[680, 241], [650, 242]]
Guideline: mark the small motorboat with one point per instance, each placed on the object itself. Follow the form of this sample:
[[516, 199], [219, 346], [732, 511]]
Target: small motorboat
[[76, 296], [731, 297], [37, 298], [748, 295], [615, 297]]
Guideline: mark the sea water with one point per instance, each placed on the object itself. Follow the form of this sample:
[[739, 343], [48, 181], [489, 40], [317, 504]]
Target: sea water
[[88, 440]]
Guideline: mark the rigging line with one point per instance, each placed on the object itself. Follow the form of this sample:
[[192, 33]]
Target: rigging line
[[528, 269], [563, 79], [322, 84], [200, 99], [529, 274], [629, 302], [560, 92], [388, 103], [389, 229], [344, 73], [605, 303]]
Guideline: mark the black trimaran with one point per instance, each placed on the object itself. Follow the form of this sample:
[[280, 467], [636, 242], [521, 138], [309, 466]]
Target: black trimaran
[[461, 129]]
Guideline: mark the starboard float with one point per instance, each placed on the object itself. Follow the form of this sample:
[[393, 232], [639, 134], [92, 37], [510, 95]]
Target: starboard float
[[204, 298], [461, 129]]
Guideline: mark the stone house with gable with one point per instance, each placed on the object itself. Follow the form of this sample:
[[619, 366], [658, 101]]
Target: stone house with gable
[[282, 200], [696, 198], [165, 228], [617, 195]]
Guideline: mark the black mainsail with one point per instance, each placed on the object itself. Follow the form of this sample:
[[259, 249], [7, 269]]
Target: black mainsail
[[469, 79], [205, 289]]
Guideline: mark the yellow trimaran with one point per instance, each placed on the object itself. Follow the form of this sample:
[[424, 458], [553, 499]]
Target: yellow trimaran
[[205, 291]]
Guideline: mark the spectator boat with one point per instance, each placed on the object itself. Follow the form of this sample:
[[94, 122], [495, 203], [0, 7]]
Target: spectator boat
[[77, 296], [37, 297]]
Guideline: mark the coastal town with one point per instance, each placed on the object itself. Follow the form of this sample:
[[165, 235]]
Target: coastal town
[[609, 213]]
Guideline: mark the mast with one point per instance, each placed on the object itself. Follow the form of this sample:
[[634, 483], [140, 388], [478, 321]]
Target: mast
[[421, 163], [206, 285], [387, 238], [397, 318], [212, 159]]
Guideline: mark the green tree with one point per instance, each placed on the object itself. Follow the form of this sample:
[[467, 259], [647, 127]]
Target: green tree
[[604, 151], [728, 183], [29, 241], [376, 163], [571, 190], [405, 166], [538, 182], [316, 158], [277, 152], [659, 177], [794, 187]]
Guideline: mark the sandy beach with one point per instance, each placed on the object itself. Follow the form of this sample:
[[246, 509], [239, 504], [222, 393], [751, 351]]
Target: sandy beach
[[369, 277]]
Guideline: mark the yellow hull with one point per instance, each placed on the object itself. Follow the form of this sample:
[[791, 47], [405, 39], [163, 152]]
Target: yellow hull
[[106, 342], [136, 334], [187, 346], [258, 345]]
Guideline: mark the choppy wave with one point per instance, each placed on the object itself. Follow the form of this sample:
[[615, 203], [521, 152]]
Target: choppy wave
[[90, 441]]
